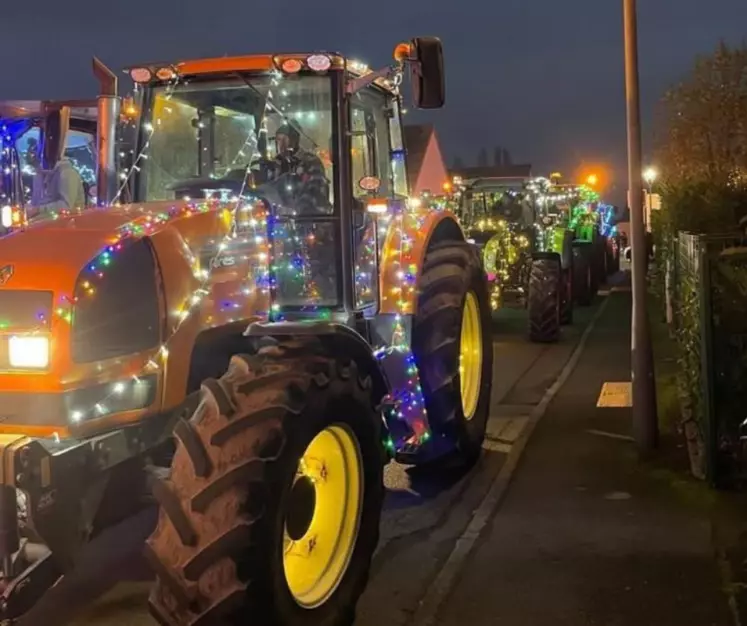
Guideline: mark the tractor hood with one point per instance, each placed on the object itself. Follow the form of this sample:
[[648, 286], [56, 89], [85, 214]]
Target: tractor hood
[[50, 253]]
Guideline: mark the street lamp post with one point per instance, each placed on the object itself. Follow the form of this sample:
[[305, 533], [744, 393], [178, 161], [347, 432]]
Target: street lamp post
[[645, 427]]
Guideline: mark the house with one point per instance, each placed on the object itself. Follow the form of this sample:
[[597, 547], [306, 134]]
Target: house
[[426, 170]]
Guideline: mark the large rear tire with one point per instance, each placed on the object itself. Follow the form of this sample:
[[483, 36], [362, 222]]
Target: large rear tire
[[583, 292], [566, 298], [453, 347], [598, 273], [545, 287], [284, 434]]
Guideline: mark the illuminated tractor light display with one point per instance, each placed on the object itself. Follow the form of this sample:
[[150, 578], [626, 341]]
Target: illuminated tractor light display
[[245, 315], [526, 231]]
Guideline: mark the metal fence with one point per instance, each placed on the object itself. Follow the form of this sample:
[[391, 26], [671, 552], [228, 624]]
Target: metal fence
[[708, 291]]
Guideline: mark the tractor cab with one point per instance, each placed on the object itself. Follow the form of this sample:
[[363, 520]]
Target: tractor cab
[[498, 216], [38, 141], [489, 204], [309, 145]]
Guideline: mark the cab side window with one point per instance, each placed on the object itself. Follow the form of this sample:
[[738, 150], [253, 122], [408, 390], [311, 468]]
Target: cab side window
[[363, 152], [80, 148], [398, 160], [370, 139]]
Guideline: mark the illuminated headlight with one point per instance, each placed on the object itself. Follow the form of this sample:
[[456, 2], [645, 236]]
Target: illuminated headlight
[[28, 352], [116, 397], [6, 216]]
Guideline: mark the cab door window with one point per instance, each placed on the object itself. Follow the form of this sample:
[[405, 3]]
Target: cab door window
[[371, 157], [398, 161], [80, 148]]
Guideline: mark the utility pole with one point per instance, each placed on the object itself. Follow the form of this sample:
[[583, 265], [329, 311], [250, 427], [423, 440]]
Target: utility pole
[[645, 425]]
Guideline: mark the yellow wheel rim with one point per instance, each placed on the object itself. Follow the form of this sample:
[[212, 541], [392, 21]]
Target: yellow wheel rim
[[323, 516], [470, 356]]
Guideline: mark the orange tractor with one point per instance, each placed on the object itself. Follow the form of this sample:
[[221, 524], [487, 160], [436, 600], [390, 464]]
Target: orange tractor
[[250, 338]]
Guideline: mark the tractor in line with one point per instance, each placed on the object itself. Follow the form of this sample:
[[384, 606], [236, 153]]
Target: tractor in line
[[541, 246], [250, 323]]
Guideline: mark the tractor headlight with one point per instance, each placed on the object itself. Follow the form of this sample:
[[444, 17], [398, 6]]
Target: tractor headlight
[[28, 352]]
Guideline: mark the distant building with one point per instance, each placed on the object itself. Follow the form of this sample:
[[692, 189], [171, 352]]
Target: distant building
[[426, 169], [519, 170]]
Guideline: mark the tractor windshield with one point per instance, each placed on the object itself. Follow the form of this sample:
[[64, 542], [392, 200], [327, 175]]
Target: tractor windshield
[[221, 138], [486, 206], [257, 137]]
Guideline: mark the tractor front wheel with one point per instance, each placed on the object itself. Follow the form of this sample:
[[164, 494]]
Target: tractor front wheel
[[453, 347], [545, 285], [271, 512]]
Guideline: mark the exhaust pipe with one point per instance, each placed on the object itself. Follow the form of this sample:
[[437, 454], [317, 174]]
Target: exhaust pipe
[[109, 106]]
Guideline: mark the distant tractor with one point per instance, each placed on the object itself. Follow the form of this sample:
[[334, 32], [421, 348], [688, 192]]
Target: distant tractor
[[526, 250], [250, 340], [589, 245]]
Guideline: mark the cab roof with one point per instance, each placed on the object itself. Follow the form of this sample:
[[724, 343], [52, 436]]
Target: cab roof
[[16, 109], [256, 63]]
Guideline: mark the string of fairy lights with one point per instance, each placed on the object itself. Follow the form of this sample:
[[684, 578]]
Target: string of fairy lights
[[256, 226]]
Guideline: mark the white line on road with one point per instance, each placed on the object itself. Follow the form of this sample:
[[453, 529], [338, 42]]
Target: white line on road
[[604, 433], [425, 615], [496, 446]]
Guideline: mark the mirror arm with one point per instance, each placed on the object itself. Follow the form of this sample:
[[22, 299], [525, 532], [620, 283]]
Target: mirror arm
[[356, 84]]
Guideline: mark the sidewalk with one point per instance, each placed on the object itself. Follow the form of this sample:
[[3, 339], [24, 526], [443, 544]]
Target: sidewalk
[[585, 537]]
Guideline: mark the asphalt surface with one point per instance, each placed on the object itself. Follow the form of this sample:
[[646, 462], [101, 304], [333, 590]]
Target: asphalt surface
[[424, 515], [585, 536]]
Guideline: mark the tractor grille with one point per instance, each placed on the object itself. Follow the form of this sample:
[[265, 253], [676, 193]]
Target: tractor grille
[[24, 310]]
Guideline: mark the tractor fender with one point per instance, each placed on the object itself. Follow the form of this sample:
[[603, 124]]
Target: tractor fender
[[212, 351], [566, 257], [408, 238], [337, 339]]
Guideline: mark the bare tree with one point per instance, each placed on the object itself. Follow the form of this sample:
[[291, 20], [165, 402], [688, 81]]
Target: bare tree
[[705, 122]]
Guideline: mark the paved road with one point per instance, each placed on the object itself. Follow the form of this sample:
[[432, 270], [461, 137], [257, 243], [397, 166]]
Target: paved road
[[586, 536], [423, 515]]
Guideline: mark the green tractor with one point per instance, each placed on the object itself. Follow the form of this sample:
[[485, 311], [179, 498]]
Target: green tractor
[[526, 249], [590, 258]]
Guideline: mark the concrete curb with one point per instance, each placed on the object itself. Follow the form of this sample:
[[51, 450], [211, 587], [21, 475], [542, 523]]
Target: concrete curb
[[427, 610]]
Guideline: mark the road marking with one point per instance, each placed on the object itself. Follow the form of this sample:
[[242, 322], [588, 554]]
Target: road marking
[[506, 429], [618, 495], [491, 445], [616, 395], [604, 433], [428, 608]]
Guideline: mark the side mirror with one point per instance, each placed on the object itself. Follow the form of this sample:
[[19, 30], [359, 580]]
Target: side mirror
[[428, 81]]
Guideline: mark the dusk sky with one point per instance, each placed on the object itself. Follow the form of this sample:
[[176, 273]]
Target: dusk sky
[[542, 79]]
